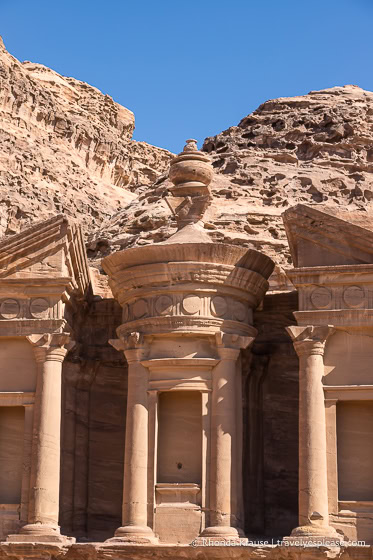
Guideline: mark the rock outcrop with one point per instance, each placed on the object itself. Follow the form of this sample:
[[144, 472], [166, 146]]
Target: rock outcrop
[[65, 147], [315, 149]]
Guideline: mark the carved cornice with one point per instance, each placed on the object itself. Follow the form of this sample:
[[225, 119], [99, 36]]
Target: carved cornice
[[229, 280], [310, 340], [27, 327], [346, 318], [179, 363], [183, 326], [342, 240], [164, 254], [45, 261]]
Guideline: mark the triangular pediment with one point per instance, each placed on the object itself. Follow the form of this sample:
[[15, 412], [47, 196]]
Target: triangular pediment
[[318, 237], [52, 249]]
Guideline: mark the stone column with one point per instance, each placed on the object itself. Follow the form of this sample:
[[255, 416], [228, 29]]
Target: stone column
[[50, 351], [27, 448], [225, 444], [134, 529], [309, 343]]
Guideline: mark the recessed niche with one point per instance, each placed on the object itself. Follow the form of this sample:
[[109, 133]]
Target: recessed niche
[[11, 453], [180, 437], [355, 450]]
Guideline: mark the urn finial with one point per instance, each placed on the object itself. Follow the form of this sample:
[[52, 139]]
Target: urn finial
[[191, 173], [190, 145]]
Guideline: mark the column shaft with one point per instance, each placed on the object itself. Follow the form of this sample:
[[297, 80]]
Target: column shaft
[[309, 343], [134, 527], [224, 447], [44, 502], [43, 508], [313, 489], [27, 449], [136, 448]]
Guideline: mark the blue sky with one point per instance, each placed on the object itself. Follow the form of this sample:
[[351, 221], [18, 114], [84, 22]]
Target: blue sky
[[194, 68]]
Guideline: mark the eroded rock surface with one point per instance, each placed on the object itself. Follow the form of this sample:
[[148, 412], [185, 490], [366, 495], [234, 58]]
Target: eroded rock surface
[[65, 147], [315, 149]]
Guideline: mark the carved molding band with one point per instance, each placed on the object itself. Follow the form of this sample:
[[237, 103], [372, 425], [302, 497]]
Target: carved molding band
[[336, 297], [35, 308], [188, 305], [184, 325]]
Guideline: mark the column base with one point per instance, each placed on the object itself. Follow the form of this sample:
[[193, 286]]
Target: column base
[[40, 533], [320, 535], [220, 533], [133, 534]]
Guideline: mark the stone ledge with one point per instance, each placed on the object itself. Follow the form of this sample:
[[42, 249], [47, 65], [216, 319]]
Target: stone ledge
[[102, 551]]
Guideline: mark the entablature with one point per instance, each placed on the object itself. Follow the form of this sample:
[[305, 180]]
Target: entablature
[[342, 318], [41, 270], [327, 288], [27, 327]]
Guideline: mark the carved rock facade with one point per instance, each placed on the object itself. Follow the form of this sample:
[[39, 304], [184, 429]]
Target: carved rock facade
[[186, 414]]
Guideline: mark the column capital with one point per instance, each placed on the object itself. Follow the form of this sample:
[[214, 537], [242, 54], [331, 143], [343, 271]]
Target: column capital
[[310, 340], [234, 341], [51, 346], [131, 344], [229, 345]]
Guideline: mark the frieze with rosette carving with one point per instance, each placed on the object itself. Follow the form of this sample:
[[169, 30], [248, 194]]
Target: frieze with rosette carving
[[187, 305], [316, 297], [34, 308]]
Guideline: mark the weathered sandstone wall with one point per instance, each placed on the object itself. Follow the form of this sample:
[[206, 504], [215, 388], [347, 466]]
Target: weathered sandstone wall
[[65, 147], [315, 149]]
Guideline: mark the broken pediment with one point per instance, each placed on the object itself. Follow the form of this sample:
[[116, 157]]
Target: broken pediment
[[319, 238], [49, 252]]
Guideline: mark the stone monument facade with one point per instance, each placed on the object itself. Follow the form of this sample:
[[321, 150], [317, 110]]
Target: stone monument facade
[[187, 311], [189, 402], [43, 275]]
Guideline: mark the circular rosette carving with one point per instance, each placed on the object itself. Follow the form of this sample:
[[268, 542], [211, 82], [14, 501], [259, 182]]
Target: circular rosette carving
[[140, 308], [164, 305], [39, 308], [354, 296], [218, 306], [239, 311], [9, 309], [321, 298], [191, 304]]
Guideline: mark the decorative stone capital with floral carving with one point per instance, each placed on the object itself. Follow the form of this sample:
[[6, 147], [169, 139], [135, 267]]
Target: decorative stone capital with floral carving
[[310, 340], [230, 345], [51, 347], [131, 344]]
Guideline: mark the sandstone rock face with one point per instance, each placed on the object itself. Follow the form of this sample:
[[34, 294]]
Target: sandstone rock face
[[316, 149], [65, 147]]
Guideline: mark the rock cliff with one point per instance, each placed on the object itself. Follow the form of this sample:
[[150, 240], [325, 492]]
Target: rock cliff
[[316, 149], [65, 147]]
